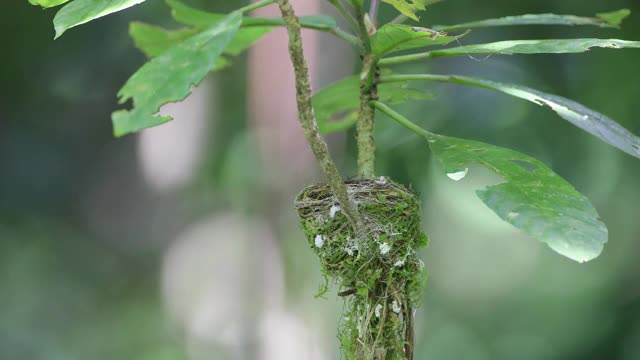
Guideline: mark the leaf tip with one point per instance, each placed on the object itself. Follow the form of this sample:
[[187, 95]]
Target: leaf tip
[[59, 33], [580, 255], [458, 175]]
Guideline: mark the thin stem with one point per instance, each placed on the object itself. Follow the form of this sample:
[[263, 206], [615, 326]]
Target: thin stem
[[399, 118], [257, 5], [399, 19], [373, 12], [418, 77], [308, 120], [405, 58], [345, 14], [254, 21], [345, 36]]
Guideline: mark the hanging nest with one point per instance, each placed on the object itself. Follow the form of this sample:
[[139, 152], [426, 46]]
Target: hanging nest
[[378, 273]]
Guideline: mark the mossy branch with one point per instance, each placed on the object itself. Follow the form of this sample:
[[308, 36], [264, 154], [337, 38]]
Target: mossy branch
[[307, 117], [368, 92]]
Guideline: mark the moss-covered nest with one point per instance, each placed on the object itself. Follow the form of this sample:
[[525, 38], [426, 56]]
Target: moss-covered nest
[[378, 272]]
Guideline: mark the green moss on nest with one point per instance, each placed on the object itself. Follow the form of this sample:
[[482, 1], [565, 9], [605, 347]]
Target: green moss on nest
[[378, 274]]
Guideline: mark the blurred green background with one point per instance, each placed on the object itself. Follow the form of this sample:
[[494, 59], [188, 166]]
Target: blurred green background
[[108, 252]]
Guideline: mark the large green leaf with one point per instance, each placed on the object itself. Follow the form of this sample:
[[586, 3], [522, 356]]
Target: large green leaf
[[82, 11], [610, 19], [559, 46], [410, 7], [188, 15], [170, 76], [47, 3], [586, 119], [396, 37], [154, 40], [533, 198], [336, 106]]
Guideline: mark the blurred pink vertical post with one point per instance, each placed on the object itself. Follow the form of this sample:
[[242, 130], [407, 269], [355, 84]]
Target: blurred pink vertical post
[[272, 101]]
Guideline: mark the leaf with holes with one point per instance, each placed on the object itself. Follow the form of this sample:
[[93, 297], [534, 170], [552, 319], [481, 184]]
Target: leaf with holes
[[170, 76], [554, 46], [154, 40], [396, 37], [82, 11], [336, 106], [606, 20], [533, 198]]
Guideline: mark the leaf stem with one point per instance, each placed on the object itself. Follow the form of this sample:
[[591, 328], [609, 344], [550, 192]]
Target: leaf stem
[[418, 77], [308, 120], [345, 36], [254, 21], [373, 12], [345, 14], [405, 58], [453, 79], [257, 5], [258, 21], [400, 119], [400, 19]]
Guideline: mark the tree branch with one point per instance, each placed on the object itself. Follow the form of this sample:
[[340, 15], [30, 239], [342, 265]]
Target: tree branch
[[368, 92], [307, 118]]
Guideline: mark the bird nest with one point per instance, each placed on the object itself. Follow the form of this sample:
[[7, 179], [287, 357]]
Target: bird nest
[[377, 271]]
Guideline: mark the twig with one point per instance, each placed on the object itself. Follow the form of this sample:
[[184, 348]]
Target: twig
[[307, 118], [256, 5]]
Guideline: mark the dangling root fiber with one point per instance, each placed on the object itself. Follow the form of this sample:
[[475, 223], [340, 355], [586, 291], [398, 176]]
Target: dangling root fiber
[[378, 273]]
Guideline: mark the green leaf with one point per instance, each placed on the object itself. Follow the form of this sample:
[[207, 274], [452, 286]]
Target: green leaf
[[561, 46], [409, 8], [170, 76], [82, 11], [245, 38], [187, 15], [533, 198], [154, 40], [336, 106], [396, 37], [612, 19], [586, 119], [47, 3]]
